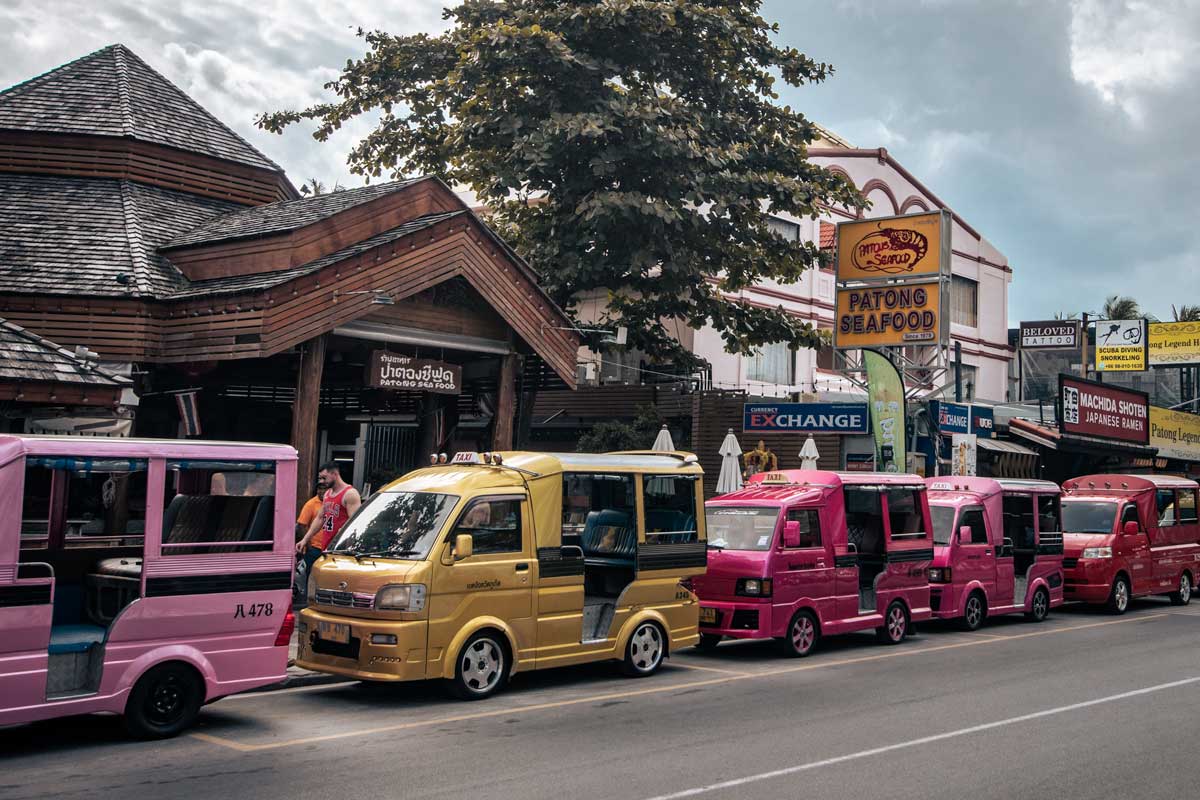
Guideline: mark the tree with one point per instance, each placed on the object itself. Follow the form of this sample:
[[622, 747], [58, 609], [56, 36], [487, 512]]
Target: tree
[[614, 435], [1066, 315], [313, 187], [627, 148], [1117, 307], [1186, 313]]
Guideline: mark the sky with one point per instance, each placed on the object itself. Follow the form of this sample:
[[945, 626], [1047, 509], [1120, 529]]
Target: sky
[[1063, 130]]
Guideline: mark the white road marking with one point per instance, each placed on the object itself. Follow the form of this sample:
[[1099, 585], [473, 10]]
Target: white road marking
[[1049, 712]]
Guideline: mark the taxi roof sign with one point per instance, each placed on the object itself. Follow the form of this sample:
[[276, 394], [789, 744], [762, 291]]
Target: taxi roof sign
[[776, 477], [466, 457]]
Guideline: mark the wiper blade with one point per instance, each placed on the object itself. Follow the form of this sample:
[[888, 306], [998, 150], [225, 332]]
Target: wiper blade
[[385, 553]]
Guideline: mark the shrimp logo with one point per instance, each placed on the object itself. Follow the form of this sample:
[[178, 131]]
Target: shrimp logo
[[890, 250]]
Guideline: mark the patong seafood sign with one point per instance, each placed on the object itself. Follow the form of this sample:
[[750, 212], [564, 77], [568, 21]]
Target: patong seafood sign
[[400, 372]]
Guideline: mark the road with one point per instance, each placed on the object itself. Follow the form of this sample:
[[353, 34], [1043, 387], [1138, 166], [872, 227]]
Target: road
[[1083, 706]]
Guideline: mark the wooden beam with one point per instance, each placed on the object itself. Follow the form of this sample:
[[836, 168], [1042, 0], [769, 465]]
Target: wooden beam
[[305, 411], [506, 397]]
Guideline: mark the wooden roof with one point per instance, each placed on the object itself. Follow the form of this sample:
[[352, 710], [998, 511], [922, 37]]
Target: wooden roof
[[26, 357]]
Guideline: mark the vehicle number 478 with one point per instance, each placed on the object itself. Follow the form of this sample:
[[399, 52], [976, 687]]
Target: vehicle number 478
[[253, 610]]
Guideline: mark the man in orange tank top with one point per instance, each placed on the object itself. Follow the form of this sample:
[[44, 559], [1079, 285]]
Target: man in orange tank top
[[338, 504]]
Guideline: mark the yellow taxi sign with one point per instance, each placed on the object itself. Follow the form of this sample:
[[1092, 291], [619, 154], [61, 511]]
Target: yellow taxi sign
[[776, 477]]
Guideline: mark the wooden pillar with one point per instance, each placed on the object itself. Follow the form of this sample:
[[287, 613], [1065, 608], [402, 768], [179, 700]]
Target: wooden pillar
[[506, 400], [304, 414]]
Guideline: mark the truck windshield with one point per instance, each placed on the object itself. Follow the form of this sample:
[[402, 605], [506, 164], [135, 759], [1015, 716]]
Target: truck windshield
[[1088, 517], [741, 528], [943, 523], [396, 525]]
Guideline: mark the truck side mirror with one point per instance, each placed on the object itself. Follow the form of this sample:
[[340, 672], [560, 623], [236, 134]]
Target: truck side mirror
[[791, 533], [964, 533], [1130, 528], [464, 546]]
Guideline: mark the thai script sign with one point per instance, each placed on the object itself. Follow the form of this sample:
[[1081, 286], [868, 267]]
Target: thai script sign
[[888, 315], [893, 247], [1103, 411], [1176, 434], [397, 371], [1055, 334], [805, 417], [1174, 344], [1121, 345]]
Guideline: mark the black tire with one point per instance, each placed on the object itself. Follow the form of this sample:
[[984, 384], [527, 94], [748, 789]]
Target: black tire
[[974, 611], [1039, 608], [1119, 597], [164, 701], [645, 650], [1184, 595], [709, 641], [895, 624], [481, 667], [803, 633]]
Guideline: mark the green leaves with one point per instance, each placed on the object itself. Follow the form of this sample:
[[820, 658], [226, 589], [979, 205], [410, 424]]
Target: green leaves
[[645, 132]]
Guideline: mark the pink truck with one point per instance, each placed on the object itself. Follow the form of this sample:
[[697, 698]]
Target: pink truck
[[799, 554], [143, 578], [998, 548]]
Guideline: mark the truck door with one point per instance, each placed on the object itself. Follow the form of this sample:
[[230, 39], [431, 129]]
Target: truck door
[[1136, 550], [803, 569], [977, 557]]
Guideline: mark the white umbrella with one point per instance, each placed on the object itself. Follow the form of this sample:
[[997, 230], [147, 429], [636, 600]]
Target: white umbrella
[[809, 454], [730, 478], [663, 442]]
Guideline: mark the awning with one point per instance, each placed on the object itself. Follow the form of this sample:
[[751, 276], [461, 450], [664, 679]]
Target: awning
[[1009, 459], [1000, 446]]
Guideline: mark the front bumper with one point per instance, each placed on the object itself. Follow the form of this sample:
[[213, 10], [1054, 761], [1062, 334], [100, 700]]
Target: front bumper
[[739, 619], [359, 658], [943, 600], [1088, 581]]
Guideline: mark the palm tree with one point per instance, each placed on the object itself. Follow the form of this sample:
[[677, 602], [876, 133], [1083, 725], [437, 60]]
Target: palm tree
[[1066, 315], [312, 187], [1117, 307], [1186, 313]]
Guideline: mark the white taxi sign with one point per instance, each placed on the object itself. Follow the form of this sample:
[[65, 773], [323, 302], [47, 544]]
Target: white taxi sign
[[466, 457], [941, 486]]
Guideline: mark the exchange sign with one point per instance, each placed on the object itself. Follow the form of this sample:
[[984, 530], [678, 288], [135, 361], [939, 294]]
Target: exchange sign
[[1054, 334], [805, 417], [1103, 411], [1174, 344], [878, 316], [1121, 345], [912, 246]]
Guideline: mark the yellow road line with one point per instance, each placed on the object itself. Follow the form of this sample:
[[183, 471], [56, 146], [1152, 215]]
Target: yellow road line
[[676, 665], [625, 694], [983, 635]]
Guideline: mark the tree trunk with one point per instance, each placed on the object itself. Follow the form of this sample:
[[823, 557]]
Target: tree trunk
[[506, 401]]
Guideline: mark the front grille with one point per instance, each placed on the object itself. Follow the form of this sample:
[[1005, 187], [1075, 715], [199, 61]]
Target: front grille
[[935, 599], [744, 620], [331, 597], [1070, 563], [335, 649]]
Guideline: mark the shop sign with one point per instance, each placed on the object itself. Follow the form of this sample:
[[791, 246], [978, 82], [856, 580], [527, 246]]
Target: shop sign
[[883, 316], [400, 372], [951, 417], [1055, 334], [1174, 344], [860, 462], [910, 246], [1176, 434], [983, 423], [963, 454], [1121, 345], [805, 418], [1103, 411]]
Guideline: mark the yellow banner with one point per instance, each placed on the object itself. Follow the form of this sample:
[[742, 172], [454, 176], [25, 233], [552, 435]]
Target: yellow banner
[[888, 315], [896, 247], [1121, 359], [1174, 344], [1176, 434]]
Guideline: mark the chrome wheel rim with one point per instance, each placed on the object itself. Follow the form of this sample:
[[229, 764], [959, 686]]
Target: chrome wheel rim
[[803, 634], [1185, 588], [482, 666], [896, 623], [1122, 596], [1040, 604], [974, 611], [646, 648]]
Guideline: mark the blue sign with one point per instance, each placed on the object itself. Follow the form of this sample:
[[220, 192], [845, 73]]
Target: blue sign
[[805, 418], [982, 422], [951, 417]]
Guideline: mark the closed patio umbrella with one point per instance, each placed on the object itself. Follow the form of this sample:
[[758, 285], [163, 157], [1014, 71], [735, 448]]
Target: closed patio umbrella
[[730, 477], [663, 442], [809, 454]]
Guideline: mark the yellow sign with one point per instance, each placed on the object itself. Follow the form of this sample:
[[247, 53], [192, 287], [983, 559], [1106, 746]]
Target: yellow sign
[[1174, 344], [893, 247], [1176, 434], [879, 316]]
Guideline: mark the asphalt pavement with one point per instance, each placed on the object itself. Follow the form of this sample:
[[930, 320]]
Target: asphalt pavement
[[1083, 706]]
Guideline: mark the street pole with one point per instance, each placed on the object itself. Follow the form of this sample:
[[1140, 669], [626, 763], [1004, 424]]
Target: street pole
[[1083, 347], [958, 372]]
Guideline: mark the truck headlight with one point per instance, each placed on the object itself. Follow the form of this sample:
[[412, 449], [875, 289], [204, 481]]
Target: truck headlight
[[1096, 552], [939, 575], [401, 597], [753, 587]]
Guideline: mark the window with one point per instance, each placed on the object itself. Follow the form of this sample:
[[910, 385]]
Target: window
[[787, 229], [105, 499], [904, 514], [1049, 513], [1186, 504], [864, 519], [1018, 520], [942, 519], [772, 363], [1130, 514], [396, 524], [609, 498], [1084, 516], [1165, 499], [741, 528], [973, 518], [964, 301], [218, 507], [810, 525], [670, 502], [495, 526]]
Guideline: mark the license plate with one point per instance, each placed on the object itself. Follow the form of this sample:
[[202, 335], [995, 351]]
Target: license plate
[[708, 615], [334, 632]]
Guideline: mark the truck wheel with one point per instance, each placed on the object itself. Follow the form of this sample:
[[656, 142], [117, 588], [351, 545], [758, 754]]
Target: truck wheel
[[1184, 595], [482, 667], [644, 651], [164, 701], [1039, 609], [802, 635], [973, 612], [1118, 598], [709, 641], [895, 624]]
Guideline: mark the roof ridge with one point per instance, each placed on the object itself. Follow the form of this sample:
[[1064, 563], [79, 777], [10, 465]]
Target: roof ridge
[[119, 51], [133, 237], [17, 88]]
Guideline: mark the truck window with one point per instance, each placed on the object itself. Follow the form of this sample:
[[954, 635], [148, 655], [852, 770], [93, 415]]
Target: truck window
[[1018, 520], [974, 518], [494, 525], [904, 514], [864, 519], [1186, 504], [605, 498], [1049, 513], [670, 502], [105, 499], [810, 525], [1085, 516], [741, 528], [218, 507], [1165, 502], [1130, 514], [942, 518]]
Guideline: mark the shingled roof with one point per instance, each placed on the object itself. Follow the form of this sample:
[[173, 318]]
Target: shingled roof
[[28, 358], [112, 92], [88, 236]]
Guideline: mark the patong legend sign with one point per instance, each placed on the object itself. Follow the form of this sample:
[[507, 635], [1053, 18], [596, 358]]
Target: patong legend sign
[[405, 373]]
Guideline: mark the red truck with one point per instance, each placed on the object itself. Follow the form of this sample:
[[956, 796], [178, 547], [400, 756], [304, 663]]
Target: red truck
[[1127, 536]]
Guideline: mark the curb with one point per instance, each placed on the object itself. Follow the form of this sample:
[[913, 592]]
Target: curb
[[301, 678]]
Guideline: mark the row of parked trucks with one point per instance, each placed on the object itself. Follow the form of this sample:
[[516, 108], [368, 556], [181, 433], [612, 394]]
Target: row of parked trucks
[[149, 578]]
